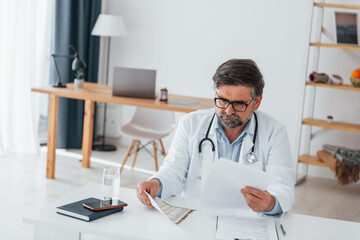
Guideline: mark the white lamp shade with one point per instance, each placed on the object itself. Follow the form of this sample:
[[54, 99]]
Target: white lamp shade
[[109, 26]]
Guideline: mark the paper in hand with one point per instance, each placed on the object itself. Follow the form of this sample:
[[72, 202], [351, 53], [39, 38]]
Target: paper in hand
[[174, 214], [224, 181]]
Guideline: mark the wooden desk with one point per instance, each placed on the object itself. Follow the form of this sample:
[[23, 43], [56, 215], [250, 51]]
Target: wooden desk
[[92, 93]]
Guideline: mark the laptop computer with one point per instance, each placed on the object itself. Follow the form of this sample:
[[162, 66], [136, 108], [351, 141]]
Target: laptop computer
[[133, 82]]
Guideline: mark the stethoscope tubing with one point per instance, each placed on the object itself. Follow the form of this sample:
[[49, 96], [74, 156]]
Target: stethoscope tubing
[[206, 138]]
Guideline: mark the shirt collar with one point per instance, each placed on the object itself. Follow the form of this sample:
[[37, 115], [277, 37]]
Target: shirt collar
[[249, 128]]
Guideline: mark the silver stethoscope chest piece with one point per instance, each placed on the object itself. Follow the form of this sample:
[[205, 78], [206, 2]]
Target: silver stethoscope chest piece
[[251, 157]]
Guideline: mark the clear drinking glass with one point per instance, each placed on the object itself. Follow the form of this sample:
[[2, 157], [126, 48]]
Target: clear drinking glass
[[111, 183]]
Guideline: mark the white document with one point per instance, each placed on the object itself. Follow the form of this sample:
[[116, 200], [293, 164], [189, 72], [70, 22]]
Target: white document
[[174, 214], [224, 181], [260, 228]]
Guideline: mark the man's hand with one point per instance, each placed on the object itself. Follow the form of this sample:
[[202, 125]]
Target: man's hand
[[257, 200], [152, 187]]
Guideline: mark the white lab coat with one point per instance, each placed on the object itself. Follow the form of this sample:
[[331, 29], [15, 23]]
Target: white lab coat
[[184, 169]]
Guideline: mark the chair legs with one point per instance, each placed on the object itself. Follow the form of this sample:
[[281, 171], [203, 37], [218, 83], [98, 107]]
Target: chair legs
[[127, 155], [155, 156], [136, 153], [137, 150], [162, 148]]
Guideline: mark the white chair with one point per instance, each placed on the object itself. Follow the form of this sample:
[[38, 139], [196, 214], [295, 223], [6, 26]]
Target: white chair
[[148, 125]]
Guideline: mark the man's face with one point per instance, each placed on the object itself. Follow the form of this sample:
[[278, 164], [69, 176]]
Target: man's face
[[229, 117]]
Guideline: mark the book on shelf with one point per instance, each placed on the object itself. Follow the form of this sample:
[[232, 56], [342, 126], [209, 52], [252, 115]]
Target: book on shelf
[[78, 211]]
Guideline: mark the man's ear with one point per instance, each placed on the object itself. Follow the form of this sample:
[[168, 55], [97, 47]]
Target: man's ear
[[257, 103]]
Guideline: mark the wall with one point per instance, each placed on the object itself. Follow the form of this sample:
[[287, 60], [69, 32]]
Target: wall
[[185, 41]]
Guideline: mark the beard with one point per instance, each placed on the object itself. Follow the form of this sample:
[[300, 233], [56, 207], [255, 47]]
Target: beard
[[229, 121]]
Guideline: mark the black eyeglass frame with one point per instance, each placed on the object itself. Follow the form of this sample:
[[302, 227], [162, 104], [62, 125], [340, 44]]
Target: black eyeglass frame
[[232, 104]]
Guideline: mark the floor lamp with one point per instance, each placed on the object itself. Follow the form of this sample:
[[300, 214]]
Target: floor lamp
[[107, 26]]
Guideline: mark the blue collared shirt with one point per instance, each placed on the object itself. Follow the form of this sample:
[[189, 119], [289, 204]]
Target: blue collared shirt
[[226, 149]]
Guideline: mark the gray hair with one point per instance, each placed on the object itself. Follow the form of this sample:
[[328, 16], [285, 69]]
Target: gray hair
[[240, 72]]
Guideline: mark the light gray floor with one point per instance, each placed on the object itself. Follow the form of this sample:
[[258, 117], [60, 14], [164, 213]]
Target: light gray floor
[[25, 189]]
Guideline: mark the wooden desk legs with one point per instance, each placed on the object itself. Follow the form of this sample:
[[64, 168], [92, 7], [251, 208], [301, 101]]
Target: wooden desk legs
[[87, 132], [52, 132]]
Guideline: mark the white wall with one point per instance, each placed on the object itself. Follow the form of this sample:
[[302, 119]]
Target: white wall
[[185, 41]]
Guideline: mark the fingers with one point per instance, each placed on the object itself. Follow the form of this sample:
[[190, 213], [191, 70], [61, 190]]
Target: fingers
[[254, 191], [140, 193], [253, 202], [258, 200], [155, 185], [152, 187]]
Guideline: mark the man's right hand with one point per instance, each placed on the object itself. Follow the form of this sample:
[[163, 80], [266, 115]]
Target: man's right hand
[[152, 187]]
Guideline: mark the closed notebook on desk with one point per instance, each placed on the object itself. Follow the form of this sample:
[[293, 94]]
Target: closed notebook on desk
[[76, 210]]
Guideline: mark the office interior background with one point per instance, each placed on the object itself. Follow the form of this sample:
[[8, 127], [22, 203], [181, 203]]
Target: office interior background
[[184, 41]]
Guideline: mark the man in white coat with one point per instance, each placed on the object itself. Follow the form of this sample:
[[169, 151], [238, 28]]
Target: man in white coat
[[234, 126]]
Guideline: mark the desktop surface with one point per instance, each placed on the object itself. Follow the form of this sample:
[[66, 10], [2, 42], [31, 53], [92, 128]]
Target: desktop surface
[[136, 221], [103, 93], [139, 222]]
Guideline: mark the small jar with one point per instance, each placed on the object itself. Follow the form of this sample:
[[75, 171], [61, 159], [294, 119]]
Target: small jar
[[163, 94], [330, 119]]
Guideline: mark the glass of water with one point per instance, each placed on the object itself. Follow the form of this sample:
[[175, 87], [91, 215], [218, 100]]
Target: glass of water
[[111, 183]]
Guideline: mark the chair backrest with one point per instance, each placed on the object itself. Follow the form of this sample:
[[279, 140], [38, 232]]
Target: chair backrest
[[153, 120]]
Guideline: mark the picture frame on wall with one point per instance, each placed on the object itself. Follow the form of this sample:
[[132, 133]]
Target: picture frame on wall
[[346, 28]]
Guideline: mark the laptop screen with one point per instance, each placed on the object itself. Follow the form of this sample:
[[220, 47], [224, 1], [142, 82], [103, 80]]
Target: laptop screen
[[133, 82]]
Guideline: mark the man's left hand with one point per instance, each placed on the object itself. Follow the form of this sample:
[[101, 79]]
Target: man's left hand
[[257, 200]]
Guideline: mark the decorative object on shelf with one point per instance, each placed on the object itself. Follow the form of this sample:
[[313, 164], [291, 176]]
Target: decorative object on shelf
[[348, 157], [355, 78], [164, 94], [330, 119], [346, 27], [77, 65], [107, 26], [334, 79], [345, 163], [79, 78], [319, 77]]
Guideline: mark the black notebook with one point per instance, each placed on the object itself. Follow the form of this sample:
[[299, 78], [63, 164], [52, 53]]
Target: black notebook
[[76, 210]]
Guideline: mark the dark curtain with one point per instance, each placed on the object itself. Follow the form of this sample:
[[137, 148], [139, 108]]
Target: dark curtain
[[72, 25]]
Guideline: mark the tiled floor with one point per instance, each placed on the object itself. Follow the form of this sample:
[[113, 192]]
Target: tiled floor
[[25, 189]]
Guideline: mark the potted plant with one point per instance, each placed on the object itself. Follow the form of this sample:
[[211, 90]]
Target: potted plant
[[79, 78]]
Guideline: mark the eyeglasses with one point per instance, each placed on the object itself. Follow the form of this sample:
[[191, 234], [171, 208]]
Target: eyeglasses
[[238, 106]]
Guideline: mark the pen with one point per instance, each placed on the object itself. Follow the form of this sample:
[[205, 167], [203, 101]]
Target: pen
[[282, 230]]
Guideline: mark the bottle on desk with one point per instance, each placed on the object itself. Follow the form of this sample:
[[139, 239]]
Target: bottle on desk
[[164, 94]]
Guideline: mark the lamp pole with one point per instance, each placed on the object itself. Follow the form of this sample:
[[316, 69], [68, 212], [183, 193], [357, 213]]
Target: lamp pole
[[107, 26], [105, 147]]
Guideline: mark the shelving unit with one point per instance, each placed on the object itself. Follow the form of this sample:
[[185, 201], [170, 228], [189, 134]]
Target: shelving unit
[[306, 158]]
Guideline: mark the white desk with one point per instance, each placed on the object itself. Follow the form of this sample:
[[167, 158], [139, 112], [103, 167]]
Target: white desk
[[138, 222]]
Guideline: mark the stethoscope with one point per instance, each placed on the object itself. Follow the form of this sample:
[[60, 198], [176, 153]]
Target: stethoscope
[[250, 157]]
